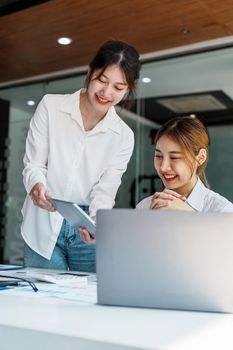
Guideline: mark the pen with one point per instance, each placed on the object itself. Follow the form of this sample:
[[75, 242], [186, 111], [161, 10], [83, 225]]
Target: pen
[[74, 274]]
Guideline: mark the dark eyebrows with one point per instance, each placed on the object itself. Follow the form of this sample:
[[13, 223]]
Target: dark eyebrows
[[175, 152], [171, 152], [118, 83]]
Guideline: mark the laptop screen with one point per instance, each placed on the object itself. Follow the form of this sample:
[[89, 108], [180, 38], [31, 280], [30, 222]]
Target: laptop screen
[[165, 259]]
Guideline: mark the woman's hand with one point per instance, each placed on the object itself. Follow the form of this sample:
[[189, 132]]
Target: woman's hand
[[164, 198], [85, 235], [40, 197], [177, 204], [170, 200]]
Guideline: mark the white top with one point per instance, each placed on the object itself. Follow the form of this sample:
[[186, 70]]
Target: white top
[[85, 168], [200, 199]]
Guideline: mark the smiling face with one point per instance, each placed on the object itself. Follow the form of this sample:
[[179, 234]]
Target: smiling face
[[172, 166], [107, 89]]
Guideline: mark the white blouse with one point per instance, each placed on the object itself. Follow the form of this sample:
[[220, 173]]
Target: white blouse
[[200, 199], [85, 168]]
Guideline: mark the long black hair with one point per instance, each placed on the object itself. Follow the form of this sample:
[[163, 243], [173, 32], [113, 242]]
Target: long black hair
[[121, 54]]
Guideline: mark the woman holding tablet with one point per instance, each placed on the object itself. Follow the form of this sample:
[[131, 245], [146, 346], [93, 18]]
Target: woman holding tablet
[[77, 149], [181, 156]]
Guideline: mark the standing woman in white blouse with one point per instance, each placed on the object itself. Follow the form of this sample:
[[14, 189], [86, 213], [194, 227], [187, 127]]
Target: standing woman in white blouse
[[77, 149], [181, 156]]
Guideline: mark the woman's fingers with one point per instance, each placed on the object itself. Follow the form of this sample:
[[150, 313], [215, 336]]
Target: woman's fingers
[[163, 195], [40, 197], [175, 194], [164, 198], [167, 194], [85, 235], [158, 203], [172, 193]]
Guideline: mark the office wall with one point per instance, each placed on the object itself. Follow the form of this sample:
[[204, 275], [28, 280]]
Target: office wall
[[220, 168], [140, 180]]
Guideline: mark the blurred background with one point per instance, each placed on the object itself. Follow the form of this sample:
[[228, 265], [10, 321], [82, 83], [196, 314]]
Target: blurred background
[[187, 68]]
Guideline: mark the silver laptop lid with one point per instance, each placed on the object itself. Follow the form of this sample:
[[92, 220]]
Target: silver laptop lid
[[165, 259]]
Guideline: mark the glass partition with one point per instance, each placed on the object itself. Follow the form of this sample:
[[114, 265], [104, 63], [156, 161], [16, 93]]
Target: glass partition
[[185, 76]]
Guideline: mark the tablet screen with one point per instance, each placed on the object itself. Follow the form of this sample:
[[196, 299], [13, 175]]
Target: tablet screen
[[75, 215]]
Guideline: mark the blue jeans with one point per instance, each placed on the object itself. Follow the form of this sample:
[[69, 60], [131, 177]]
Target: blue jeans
[[70, 253]]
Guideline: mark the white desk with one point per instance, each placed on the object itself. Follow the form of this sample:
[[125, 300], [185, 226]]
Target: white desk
[[36, 323]]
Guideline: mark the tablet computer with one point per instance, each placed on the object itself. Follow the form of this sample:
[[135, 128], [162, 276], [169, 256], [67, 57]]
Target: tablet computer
[[75, 215]]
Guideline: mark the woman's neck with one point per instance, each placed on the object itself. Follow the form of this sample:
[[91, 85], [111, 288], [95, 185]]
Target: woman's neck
[[187, 189], [90, 117]]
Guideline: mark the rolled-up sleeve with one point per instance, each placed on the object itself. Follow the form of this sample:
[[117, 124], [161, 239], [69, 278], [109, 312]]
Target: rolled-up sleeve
[[36, 153], [104, 192]]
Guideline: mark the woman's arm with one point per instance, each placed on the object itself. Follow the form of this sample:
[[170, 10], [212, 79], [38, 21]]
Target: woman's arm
[[104, 192], [36, 158]]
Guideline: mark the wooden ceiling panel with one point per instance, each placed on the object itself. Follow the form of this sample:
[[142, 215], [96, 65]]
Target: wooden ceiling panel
[[28, 44], [221, 10]]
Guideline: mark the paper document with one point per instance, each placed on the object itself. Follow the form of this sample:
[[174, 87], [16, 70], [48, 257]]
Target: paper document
[[58, 278], [82, 294]]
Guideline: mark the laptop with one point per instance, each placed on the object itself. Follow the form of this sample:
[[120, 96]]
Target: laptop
[[165, 259]]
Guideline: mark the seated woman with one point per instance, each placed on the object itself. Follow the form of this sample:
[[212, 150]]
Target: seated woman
[[181, 156]]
